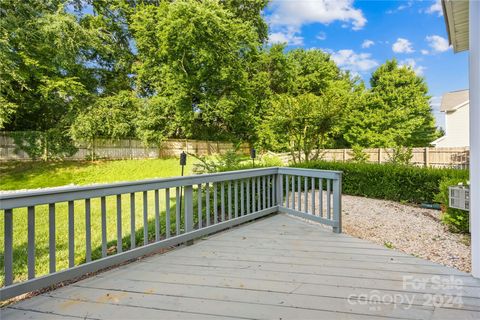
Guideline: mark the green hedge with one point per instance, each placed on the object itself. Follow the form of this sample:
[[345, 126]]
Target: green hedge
[[388, 181]]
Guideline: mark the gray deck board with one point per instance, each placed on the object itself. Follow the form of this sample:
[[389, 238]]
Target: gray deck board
[[279, 267]]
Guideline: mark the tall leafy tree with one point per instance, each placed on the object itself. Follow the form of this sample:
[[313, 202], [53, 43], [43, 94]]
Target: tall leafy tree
[[394, 112], [55, 60], [198, 54]]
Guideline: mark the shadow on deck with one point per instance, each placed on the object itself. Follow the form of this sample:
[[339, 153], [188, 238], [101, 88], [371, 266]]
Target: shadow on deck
[[279, 267]]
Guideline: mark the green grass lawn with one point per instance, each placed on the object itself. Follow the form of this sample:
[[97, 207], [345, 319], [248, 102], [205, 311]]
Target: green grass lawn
[[38, 175], [32, 175]]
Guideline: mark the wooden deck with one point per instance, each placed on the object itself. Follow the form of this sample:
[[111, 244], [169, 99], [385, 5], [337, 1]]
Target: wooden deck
[[279, 267]]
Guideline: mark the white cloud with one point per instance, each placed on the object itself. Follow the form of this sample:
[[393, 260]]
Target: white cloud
[[288, 37], [438, 43], [321, 35], [367, 43], [402, 46], [401, 7], [424, 52], [435, 8], [355, 62], [287, 17], [411, 63], [298, 13]]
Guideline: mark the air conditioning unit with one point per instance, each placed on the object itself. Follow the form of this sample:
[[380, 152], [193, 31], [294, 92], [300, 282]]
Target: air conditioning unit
[[459, 197]]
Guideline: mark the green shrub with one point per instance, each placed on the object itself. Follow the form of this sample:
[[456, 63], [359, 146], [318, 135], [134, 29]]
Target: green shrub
[[389, 181], [231, 160], [455, 219]]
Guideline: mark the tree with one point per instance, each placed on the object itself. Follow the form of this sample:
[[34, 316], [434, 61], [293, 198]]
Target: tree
[[394, 112], [112, 117], [54, 62], [197, 54], [300, 124]]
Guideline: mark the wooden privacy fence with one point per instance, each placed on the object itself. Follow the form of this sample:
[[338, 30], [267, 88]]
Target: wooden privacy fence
[[210, 203], [125, 149], [428, 157]]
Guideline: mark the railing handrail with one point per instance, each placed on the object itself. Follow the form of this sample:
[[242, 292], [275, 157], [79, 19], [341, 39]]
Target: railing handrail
[[12, 200]]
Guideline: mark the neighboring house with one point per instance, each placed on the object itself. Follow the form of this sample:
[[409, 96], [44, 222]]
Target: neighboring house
[[456, 107]]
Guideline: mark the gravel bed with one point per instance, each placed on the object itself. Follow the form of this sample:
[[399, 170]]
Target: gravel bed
[[410, 229]]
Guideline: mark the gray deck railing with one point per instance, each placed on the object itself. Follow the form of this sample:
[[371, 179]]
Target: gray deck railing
[[209, 203]]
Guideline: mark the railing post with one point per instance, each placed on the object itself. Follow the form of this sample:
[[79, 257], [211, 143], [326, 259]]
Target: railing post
[[279, 190], [337, 203], [189, 211]]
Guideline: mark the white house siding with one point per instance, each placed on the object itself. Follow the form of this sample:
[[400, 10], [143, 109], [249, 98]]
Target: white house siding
[[457, 128]]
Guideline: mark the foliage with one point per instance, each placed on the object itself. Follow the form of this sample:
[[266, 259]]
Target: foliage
[[231, 161], [53, 63], [50, 145], [394, 112], [301, 123], [202, 64], [457, 220], [358, 155], [388, 181], [400, 155], [110, 117]]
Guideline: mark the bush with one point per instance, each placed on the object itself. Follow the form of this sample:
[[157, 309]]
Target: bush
[[389, 181], [231, 161], [455, 219]]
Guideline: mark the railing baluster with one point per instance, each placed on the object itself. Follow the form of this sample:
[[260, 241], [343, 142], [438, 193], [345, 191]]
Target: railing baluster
[[229, 200], [51, 237], [8, 251], [188, 209], [88, 231], [178, 206], [278, 190], [287, 188], [269, 190], [320, 197], [71, 234], [259, 186], [235, 198], [103, 209], [264, 192], [207, 203], [133, 229], [199, 206], [305, 193], [299, 193], [293, 192], [31, 242], [253, 194], [119, 223], [215, 204], [328, 198], [242, 198], [145, 217], [157, 215], [313, 195], [167, 213], [222, 199], [248, 195]]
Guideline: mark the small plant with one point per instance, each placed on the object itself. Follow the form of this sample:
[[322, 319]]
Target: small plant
[[389, 245], [455, 219], [358, 155], [222, 162], [400, 155]]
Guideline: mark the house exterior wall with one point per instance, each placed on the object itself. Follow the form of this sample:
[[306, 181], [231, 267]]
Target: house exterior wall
[[457, 128]]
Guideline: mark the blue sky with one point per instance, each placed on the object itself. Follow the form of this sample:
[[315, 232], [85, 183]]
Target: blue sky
[[361, 35]]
